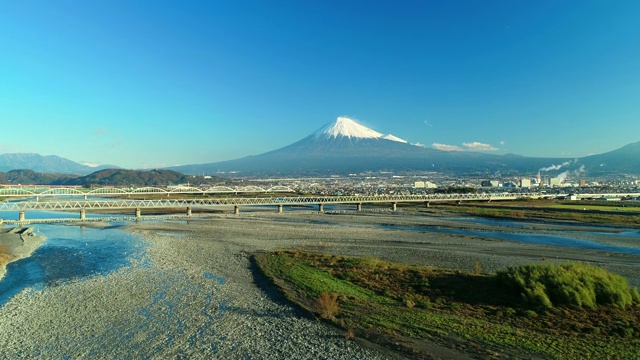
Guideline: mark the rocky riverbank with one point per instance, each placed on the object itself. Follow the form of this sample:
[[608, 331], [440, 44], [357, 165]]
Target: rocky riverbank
[[197, 295], [15, 244]]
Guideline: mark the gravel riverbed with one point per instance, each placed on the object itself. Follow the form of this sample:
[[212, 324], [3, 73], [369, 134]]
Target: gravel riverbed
[[197, 295]]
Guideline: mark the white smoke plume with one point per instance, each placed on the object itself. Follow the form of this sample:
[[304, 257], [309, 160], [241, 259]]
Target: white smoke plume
[[555, 167], [562, 177], [575, 173]]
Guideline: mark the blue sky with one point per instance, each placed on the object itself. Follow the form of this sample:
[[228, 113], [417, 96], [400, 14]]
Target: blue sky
[[146, 84]]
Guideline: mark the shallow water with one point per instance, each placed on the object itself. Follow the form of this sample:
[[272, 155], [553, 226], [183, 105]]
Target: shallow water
[[602, 229], [541, 239], [71, 252]]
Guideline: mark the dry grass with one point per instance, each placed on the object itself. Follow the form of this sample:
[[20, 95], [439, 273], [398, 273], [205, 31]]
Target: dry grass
[[327, 305], [477, 268], [349, 334]]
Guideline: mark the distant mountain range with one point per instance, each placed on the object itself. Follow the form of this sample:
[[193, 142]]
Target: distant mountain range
[[46, 164], [625, 160], [109, 177], [344, 146]]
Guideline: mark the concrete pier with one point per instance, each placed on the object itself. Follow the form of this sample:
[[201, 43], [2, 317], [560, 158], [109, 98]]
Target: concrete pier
[[189, 211], [236, 210], [394, 206], [321, 208], [138, 213], [21, 216], [83, 214], [359, 207], [279, 208], [427, 204]]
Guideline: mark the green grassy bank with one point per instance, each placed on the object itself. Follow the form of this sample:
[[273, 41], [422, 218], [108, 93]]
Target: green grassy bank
[[595, 214], [419, 310]]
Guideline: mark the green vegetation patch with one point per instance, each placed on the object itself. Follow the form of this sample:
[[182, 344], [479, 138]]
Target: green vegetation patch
[[573, 285], [548, 211], [419, 310], [587, 207]]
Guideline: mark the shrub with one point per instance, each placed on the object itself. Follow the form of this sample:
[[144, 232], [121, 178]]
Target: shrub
[[425, 303], [408, 301], [477, 268], [509, 311], [350, 334], [327, 305], [571, 284]]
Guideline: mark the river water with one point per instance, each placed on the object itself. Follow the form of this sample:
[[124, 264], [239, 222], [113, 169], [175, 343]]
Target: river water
[[76, 252], [69, 253]]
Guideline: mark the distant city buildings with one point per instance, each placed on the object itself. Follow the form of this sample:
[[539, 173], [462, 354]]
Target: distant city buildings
[[424, 185]]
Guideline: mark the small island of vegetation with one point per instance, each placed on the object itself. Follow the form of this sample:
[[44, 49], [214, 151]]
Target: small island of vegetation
[[547, 310]]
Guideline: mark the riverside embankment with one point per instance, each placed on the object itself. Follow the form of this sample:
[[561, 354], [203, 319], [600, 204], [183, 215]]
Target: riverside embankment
[[192, 291]]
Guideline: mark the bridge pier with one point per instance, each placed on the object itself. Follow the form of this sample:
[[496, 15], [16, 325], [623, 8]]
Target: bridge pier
[[426, 203], [320, 208], [37, 198], [188, 211], [279, 208], [236, 210], [138, 213], [21, 216], [394, 206], [359, 207], [85, 197], [83, 214]]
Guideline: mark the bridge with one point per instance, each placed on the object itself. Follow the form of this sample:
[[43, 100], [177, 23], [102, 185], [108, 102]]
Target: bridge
[[279, 201], [118, 204], [63, 191]]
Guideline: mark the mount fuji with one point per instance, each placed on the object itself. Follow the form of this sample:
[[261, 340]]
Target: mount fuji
[[345, 146]]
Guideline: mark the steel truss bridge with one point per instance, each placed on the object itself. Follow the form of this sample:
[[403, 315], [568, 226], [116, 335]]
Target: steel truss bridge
[[43, 191], [63, 205], [119, 203]]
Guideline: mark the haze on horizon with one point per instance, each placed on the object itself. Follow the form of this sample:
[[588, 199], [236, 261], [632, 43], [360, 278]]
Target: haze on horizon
[[139, 84]]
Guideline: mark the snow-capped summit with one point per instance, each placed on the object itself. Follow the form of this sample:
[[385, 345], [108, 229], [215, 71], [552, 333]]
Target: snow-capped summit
[[345, 127], [346, 147]]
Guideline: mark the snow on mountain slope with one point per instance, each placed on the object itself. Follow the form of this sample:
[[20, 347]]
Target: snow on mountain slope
[[345, 127], [394, 138]]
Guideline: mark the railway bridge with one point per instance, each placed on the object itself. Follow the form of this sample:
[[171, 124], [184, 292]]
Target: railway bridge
[[104, 205]]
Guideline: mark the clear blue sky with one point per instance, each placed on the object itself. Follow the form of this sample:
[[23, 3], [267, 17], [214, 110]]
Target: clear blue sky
[[161, 83]]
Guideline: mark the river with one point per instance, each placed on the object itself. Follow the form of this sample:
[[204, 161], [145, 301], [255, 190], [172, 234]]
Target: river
[[70, 253], [76, 252]]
